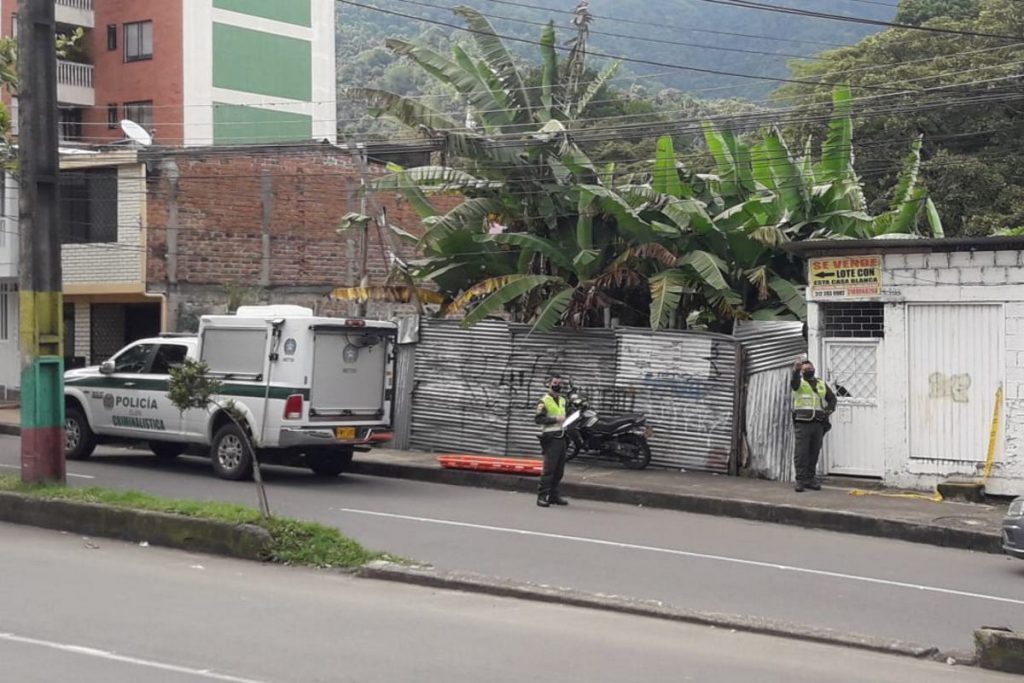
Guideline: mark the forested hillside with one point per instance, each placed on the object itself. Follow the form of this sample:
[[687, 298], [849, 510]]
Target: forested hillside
[[675, 33]]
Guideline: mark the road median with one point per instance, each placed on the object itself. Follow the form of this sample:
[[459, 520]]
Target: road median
[[244, 541], [196, 526]]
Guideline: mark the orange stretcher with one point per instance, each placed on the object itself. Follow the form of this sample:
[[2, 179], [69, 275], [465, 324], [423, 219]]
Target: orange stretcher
[[485, 463]]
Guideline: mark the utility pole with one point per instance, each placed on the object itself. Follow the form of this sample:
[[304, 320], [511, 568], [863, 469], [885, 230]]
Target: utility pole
[[41, 298]]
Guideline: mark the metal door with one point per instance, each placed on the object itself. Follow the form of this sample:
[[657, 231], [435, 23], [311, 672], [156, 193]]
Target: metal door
[[956, 366], [852, 369]]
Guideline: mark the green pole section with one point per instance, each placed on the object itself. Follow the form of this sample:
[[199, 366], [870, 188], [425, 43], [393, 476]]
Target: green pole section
[[41, 299]]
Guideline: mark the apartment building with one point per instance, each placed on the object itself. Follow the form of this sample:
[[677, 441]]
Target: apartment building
[[195, 73]]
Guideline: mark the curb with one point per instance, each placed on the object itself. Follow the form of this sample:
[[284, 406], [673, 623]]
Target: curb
[[476, 583], [242, 541], [813, 518]]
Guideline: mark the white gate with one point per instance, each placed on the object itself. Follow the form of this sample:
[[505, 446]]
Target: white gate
[[852, 369], [956, 366]]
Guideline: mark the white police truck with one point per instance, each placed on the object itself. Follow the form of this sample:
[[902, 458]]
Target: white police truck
[[306, 390]]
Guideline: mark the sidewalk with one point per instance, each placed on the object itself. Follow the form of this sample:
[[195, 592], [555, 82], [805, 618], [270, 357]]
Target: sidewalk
[[949, 524]]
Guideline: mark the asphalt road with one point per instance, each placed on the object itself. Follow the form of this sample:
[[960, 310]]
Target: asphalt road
[[852, 584], [99, 611]]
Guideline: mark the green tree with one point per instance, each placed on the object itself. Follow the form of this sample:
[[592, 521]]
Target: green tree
[[546, 235], [960, 92]]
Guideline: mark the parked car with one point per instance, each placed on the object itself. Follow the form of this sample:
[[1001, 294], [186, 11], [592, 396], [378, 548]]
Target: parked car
[[1013, 529], [309, 391]]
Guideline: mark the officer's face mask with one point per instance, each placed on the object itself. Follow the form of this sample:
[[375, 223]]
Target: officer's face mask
[[556, 387], [808, 373]]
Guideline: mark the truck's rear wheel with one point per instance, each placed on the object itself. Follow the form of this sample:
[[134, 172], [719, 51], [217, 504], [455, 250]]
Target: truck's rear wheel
[[166, 450], [329, 462], [231, 454], [79, 439]]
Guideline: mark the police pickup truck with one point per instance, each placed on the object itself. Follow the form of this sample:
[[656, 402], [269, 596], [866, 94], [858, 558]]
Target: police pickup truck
[[307, 390]]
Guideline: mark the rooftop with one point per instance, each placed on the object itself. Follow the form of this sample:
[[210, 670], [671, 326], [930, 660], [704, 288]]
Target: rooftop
[[904, 245]]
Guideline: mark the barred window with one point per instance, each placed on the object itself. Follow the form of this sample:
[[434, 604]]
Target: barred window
[[88, 206]]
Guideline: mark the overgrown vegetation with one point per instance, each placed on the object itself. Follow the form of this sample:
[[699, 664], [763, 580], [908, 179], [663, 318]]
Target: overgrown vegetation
[[294, 542], [962, 92], [546, 234]]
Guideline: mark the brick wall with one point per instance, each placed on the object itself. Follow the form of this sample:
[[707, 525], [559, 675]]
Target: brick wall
[[955, 268], [228, 202]]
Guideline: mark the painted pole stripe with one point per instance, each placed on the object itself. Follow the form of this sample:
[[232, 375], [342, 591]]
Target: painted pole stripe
[[124, 659], [686, 553]]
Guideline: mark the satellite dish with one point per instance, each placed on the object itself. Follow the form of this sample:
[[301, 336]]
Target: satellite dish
[[136, 133]]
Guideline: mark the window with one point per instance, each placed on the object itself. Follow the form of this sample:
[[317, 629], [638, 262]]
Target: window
[[88, 206], [111, 37], [7, 293], [14, 26], [168, 356], [856, 319], [141, 113], [70, 124], [133, 359], [138, 41], [113, 118]]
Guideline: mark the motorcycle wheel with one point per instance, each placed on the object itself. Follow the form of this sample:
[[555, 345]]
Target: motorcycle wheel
[[572, 450], [642, 457]]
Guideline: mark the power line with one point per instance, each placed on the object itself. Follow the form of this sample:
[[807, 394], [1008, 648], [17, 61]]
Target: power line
[[666, 26], [634, 60], [763, 7]]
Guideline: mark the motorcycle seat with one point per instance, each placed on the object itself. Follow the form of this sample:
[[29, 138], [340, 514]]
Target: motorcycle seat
[[607, 425]]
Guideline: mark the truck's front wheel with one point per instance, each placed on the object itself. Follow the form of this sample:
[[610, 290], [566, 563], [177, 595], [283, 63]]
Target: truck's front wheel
[[231, 453], [329, 462]]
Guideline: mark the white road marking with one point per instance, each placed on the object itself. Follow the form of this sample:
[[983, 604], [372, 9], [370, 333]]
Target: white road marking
[[685, 553], [70, 474], [103, 654]]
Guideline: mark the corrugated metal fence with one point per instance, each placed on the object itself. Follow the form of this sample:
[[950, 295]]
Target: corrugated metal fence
[[475, 390], [771, 348]]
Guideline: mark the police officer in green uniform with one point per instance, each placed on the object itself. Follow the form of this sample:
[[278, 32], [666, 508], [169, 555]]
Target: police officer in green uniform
[[813, 403], [550, 416]]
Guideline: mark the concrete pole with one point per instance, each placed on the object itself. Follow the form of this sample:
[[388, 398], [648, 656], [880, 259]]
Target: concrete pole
[[41, 298]]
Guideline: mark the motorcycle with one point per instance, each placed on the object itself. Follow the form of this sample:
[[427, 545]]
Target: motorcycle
[[620, 437]]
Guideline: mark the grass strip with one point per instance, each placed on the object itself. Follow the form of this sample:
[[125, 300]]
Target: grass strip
[[294, 542]]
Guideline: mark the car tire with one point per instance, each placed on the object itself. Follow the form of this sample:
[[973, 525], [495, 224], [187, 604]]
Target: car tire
[[166, 450], [79, 439], [231, 453], [329, 462]]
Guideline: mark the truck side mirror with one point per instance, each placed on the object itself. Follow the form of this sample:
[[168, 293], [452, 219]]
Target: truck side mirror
[[107, 368]]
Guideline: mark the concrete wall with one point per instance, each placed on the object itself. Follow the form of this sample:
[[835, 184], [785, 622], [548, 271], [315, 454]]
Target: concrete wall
[[947, 278]]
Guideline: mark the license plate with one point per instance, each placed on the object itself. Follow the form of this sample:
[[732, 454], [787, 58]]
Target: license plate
[[345, 433]]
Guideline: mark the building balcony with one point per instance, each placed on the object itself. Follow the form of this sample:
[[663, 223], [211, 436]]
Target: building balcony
[[74, 84], [75, 13]]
